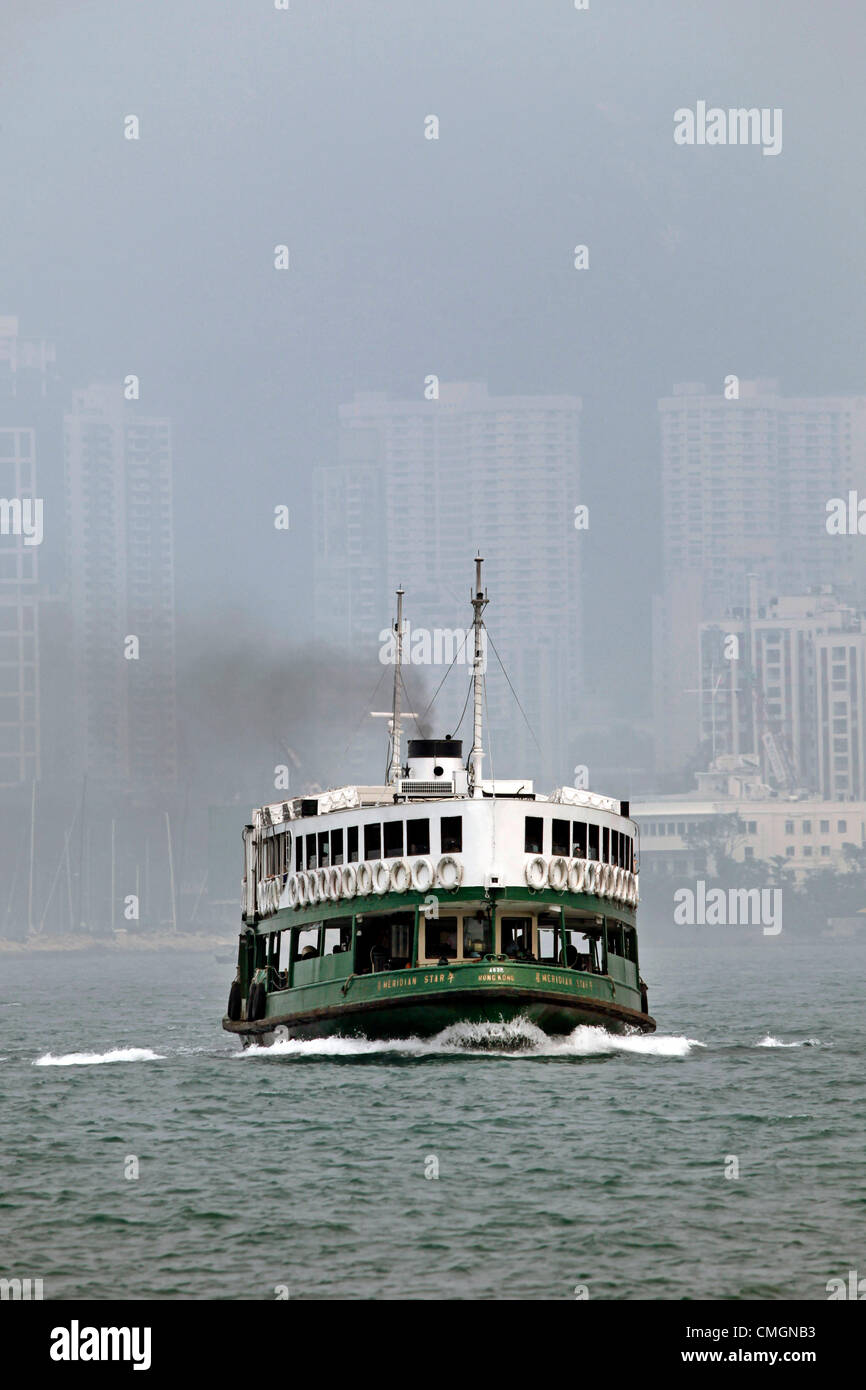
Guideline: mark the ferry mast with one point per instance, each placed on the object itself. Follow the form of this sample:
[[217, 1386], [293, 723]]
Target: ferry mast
[[395, 768], [476, 756]]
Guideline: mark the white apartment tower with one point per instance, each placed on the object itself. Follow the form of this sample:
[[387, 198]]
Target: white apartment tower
[[421, 487], [121, 586]]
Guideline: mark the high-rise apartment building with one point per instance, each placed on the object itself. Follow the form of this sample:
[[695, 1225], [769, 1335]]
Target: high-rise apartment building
[[746, 484], [784, 681], [421, 487], [121, 590]]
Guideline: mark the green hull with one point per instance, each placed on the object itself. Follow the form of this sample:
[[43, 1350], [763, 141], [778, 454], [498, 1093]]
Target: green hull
[[423, 1001]]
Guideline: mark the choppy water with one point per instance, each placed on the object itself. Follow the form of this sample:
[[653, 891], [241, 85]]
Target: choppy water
[[590, 1160]]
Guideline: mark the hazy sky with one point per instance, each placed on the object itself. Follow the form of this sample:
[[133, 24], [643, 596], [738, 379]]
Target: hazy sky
[[412, 256]]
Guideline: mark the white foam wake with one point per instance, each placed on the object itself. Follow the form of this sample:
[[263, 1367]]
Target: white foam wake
[[92, 1059], [770, 1041], [518, 1038]]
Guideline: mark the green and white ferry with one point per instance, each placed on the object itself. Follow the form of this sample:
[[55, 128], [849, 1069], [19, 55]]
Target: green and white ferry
[[443, 896]]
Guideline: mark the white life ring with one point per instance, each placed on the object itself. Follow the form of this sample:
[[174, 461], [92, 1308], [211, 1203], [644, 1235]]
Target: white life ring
[[293, 890], [536, 872], [607, 881], [350, 880], [401, 876], [364, 880], [591, 876], [576, 875], [335, 883], [422, 875], [635, 895], [381, 877], [303, 889], [449, 873], [275, 894], [312, 886], [557, 874], [322, 884]]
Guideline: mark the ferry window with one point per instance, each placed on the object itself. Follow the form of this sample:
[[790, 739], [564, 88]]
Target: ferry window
[[605, 845], [338, 937], [547, 945], [352, 845], [299, 853], [614, 939], [477, 936], [308, 942], [533, 835], [312, 862], [629, 949], [517, 936], [592, 851], [560, 837], [393, 839], [578, 839], [452, 834], [324, 849], [629, 852], [440, 938], [372, 841], [417, 837], [614, 846], [336, 846]]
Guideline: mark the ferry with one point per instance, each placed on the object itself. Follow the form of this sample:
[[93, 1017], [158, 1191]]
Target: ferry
[[441, 897]]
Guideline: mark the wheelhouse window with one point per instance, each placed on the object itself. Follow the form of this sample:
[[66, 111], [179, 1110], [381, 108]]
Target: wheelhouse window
[[312, 861], [452, 834], [440, 938], [352, 845], [533, 835], [372, 841], [560, 843], [517, 937], [578, 839], [336, 846], [477, 936], [393, 839], [418, 836]]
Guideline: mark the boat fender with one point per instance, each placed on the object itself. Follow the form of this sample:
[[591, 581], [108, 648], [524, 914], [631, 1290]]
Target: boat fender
[[536, 872], [422, 875], [381, 877], [335, 883], [401, 876], [557, 874], [350, 880], [364, 880], [449, 873], [576, 875], [234, 1005]]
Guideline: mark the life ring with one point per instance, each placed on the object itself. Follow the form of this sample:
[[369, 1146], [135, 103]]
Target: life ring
[[350, 880], [576, 875], [536, 872], [591, 876], [449, 873], [422, 875], [312, 887], [401, 876], [364, 880], [557, 874], [303, 889], [381, 877], [294, 891], [322, 885], [335, 883]]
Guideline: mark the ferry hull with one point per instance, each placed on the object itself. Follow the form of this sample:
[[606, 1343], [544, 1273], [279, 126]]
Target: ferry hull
[[552, 1011]]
